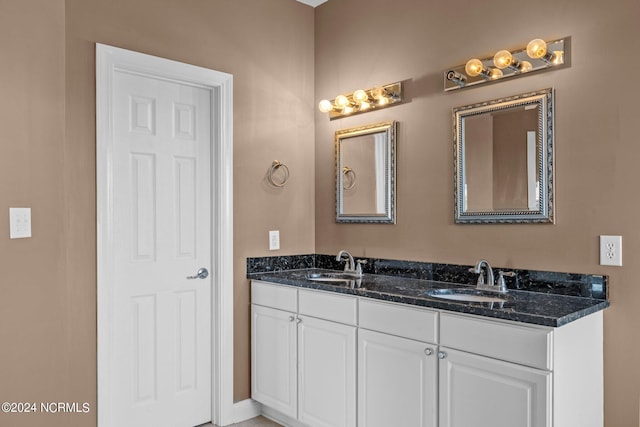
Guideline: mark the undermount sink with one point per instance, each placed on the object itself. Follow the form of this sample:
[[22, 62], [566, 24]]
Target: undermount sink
[[330, 277], [470, 296], [337, 279]]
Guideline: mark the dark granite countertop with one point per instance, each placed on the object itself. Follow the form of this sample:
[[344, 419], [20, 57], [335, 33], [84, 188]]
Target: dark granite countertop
[[524, 306]]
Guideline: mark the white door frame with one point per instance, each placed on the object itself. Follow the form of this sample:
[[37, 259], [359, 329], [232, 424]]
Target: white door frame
[[109, 59]]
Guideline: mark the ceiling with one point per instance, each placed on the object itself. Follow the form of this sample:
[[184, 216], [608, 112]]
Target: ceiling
[[312, 3]]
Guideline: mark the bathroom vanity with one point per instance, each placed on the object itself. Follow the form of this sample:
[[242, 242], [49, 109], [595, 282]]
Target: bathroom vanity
[[385, 354]]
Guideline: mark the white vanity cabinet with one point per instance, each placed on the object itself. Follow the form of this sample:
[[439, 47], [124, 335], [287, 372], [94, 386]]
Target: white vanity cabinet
[[397, 366], [313, 352], [304, 357], [506, 374]]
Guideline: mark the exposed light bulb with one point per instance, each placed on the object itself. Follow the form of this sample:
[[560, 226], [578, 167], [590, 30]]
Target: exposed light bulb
[[474, 67], [364, 105], [503, 59], [557, 57], [325, 106], [347, 110], [383, 100], [342, 101], [378, 93], [537, 48], [525, 66], [360, 96], [495, 73]]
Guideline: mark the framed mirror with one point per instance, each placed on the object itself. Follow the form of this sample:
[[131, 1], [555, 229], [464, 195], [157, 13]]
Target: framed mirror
[[504, 160], [365, 173]]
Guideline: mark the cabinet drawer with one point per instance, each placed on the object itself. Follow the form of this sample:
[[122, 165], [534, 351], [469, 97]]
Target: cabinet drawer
[[329, 306], [275, 296], [401, 320], [524, 345]]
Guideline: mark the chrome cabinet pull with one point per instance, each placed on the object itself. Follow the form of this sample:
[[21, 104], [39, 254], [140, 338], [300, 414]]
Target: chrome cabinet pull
[[202, 273], [428, 351], [442, 355], [291, 318]]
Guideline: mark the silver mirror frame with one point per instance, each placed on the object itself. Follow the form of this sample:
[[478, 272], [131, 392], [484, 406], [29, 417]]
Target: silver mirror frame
[[341, 136], [544, 102]]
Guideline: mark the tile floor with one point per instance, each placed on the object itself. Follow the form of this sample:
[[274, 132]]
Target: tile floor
[[254, 422]]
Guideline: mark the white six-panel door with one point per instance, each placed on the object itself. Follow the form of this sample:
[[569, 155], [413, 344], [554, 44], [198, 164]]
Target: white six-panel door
[[162, 216], [164, 182]]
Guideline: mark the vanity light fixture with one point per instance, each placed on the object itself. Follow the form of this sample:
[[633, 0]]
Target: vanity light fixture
[[362, 101], [538, 55]]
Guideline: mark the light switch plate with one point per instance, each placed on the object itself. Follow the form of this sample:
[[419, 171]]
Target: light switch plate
[[611, 250], [274, 240], [19, 223]]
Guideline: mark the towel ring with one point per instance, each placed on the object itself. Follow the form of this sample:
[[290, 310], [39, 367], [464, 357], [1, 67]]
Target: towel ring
[[274, 167], [347, 172]]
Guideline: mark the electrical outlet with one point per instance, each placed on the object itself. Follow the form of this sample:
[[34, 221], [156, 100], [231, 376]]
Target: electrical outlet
[[611, 250], [274, 240]]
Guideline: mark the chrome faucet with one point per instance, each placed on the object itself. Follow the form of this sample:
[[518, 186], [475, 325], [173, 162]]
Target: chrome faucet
[[349, 265], [489, 284]]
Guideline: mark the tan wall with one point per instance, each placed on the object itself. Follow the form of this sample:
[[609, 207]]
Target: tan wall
[[359, 154], [479, 167], [363, 43], [511, 179], [37, 308], [47, 162]]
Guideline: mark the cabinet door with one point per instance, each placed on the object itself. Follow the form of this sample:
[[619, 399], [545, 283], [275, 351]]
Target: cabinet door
[[482, 392], [397, 381], [326, 373], [273, 359]]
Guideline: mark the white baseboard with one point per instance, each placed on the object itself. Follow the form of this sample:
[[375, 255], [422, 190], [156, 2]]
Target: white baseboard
[[245, 410], [249, 408], [280, 418]]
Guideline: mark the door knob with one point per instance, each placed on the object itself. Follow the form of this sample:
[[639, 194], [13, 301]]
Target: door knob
[[202, 273]]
